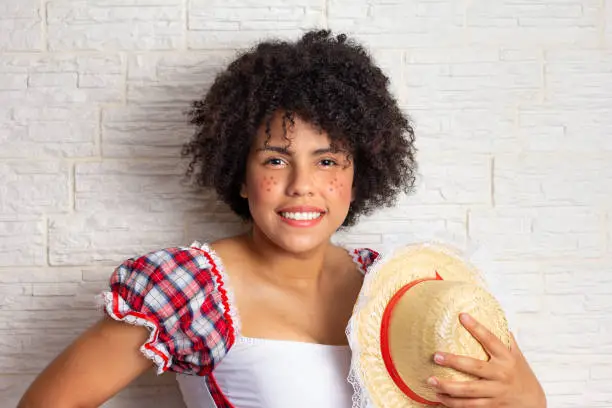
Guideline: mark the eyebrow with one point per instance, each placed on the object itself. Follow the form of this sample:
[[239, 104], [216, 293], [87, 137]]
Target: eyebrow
[[284, 150]]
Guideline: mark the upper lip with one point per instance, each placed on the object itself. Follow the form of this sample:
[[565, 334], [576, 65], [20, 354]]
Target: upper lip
[[302, 209]]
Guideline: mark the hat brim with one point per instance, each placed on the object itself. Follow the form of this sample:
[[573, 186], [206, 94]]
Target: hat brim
[[385, 278]]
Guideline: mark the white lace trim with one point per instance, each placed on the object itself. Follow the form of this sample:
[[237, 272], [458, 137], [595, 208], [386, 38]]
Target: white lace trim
[[129, 316], [225, 285], [356, 258], [360, 398]]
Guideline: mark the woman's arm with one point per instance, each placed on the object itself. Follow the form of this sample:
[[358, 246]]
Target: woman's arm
[[96, 366]]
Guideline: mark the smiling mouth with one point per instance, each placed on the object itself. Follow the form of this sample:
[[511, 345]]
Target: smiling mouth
[[301, 216]]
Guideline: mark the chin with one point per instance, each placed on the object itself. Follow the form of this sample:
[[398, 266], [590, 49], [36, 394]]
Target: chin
[[296, 241], [296, 244]]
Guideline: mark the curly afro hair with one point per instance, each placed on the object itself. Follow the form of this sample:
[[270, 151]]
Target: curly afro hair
[[328, 81]]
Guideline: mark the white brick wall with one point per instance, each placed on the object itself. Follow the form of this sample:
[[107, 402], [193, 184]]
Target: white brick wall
[[512, 101]]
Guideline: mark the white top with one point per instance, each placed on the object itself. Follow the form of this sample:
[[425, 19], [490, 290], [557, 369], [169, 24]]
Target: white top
[[184, 297], [262, 373], [265, 373]]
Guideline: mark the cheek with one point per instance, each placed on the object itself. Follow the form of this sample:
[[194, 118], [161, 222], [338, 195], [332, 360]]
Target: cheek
[[340, 187], [264, 186]]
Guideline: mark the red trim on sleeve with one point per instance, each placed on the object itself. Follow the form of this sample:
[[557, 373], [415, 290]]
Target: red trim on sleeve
[[148, 345], [224, 297]]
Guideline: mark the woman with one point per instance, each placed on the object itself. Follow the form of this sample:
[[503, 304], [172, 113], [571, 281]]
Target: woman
[[299, 139]]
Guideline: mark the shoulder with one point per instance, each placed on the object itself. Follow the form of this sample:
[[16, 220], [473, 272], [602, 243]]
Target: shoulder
[[178, 293], [182, 266]]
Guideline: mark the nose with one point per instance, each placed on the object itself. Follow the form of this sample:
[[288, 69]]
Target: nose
[[301, 183]]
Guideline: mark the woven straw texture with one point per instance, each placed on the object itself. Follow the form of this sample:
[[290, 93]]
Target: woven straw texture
[[423, 322]]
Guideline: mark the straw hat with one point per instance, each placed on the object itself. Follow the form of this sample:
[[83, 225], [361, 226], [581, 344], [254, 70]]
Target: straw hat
[[407, 310]]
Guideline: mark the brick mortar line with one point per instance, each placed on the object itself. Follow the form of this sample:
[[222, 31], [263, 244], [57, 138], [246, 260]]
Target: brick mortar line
[[465, 29], [492, 181], [44, 27], [99, 53], [232, 51], [603, 25], [607, 229], [46, 242], [98, 135], [72, 187], [186, 23], [325, 14], [91, 159], [467, 223], [543, 79], [125, 66], [516, 126]]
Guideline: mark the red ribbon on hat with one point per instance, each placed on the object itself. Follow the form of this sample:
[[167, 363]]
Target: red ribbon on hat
[[384, 342]]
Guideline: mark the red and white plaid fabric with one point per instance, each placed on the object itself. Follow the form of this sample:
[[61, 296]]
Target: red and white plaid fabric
[[364, 257], [174, 292], [178, 294]]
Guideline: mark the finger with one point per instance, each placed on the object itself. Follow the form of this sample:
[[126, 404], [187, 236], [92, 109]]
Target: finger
[[451, 402], [492, 345], [465, 389], [468, 365]]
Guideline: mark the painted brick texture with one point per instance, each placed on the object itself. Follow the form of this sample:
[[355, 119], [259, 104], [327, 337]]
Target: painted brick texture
[[512, 104]]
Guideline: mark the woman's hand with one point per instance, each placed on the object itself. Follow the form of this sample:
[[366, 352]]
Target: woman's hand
[[506, 380]]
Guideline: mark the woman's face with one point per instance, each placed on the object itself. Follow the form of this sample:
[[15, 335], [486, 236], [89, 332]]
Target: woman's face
[[299, 190]]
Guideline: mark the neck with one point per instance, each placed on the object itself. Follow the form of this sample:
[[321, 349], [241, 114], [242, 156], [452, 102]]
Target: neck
[[282, 267]]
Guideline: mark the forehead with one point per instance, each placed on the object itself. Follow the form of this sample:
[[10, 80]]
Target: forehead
[[293, 133]]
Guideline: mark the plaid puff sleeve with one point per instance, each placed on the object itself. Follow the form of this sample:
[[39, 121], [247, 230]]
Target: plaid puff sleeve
[[364, 258], [178, 294]]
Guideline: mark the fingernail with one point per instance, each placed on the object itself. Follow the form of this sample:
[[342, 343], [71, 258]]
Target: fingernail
[[465, 318], [438, 358], [433, 381]]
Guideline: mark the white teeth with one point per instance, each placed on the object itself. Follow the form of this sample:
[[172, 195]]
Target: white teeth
[[301, 216]]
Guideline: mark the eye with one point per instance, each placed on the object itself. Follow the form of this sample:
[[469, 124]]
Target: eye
[[274, 162], [328, 163]]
